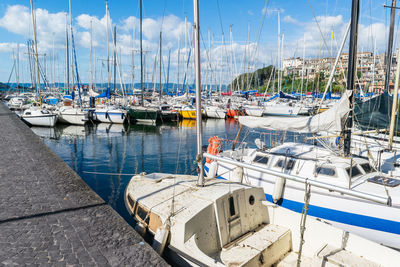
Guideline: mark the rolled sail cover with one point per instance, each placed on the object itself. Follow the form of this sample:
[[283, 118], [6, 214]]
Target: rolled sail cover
[[331, 121]]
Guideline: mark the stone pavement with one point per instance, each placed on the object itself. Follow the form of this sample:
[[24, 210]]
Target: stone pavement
[[50, 217]]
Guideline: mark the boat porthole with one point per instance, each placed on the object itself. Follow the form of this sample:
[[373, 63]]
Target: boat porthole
[[251, 199]]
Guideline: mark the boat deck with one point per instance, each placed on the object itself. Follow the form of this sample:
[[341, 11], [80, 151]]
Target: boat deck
[[49, 216]]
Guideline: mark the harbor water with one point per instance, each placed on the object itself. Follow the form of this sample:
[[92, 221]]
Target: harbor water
[[106, 156]]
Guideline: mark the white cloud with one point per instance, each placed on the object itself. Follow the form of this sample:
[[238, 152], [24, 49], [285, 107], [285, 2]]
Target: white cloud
[[289, 19]]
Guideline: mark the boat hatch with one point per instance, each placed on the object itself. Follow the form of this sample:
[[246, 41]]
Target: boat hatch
[[386, 181], [261, 159]]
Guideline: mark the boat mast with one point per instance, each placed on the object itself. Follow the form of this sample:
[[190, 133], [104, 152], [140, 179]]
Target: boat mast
[[279, 48], [141, 57], [350, 72], [67, 52], [91, 55], [169, 58], [196, 25], [115, 59], [71, 48], [160, 66], [179, 53], [36, 53], [390, 46], [395, 103], [108, 49]]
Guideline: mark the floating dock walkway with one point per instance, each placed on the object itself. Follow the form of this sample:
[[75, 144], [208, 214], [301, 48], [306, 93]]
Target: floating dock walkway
[[50, 217]]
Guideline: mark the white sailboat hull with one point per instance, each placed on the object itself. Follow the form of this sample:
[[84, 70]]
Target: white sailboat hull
[[41, 120], [72, 116], [215, 113], [110, 116], [254, 111]]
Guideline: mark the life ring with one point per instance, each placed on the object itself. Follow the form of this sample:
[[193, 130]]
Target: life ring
[[214, 144]]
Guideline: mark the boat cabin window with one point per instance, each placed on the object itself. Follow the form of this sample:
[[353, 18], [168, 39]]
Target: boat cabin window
[[289, 164], [27, 113], [131, 201], [367, 168], [251, 200], [325, 171], [261, 159], [353, 171], [142, 214], [231, 206]]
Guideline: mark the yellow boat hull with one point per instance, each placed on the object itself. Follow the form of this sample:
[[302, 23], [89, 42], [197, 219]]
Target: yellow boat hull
[[188, 114]]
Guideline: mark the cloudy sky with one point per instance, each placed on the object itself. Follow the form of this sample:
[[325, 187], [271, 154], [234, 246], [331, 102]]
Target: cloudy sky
[[306, 26]]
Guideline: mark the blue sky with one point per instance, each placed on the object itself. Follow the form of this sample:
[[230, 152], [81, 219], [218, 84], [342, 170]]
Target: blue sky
[[226, 61]]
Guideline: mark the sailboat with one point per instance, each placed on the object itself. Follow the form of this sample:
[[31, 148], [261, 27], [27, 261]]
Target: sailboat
[[68, 113], [38, 116], [109, 113], [283, 170], [142, 113], [214, 222]]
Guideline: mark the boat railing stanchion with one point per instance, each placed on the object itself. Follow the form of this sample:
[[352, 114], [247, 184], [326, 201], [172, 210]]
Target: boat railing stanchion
[[307, 196]]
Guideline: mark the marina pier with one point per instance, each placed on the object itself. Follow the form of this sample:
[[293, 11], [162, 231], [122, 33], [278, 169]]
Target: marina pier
[[50, 216]]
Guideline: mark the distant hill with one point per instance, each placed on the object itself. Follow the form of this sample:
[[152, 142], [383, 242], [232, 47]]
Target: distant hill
[[252, 80]]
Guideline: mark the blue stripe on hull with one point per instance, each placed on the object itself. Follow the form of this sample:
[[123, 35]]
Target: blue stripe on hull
[[358, 220], [109, 113]]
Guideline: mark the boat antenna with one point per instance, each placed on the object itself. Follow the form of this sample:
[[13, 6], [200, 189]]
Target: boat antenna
[[36, 52], [196, 25], [350, 73]]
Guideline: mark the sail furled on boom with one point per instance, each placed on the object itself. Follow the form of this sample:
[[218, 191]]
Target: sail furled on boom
[[331, 121]]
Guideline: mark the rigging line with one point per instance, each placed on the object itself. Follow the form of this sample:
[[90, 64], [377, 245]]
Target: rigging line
[[107, 173], [163, 15], [258, 38], [207, 53], [319, 28], [222, 29], [220, 18]]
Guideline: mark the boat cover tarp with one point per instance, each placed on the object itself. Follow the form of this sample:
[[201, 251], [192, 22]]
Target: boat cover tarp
[[287, 96], [330, 121], [272, 97], [327, 96], [375, 113], [106, 93]]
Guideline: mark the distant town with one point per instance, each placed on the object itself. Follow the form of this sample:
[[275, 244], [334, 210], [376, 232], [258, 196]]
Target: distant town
[[370, 69]]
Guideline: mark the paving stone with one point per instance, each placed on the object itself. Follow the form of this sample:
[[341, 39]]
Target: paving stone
[[50, 217]]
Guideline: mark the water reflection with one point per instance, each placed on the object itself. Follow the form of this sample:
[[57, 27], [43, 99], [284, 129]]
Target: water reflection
[[103, 154], [47, 132], [187, 123]]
